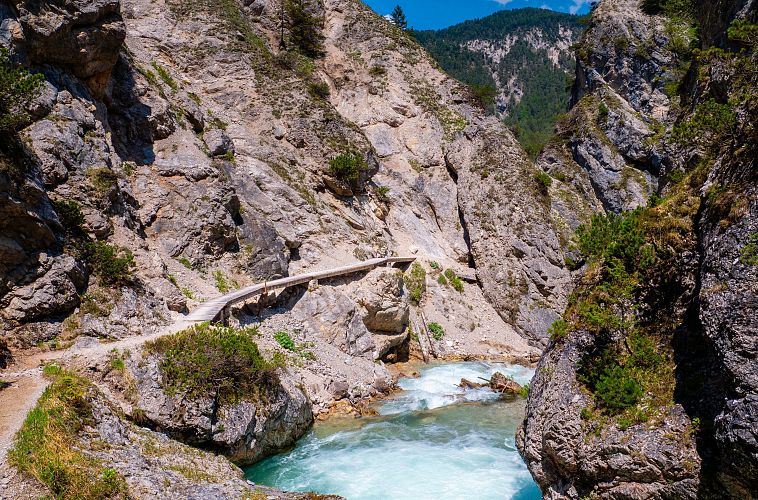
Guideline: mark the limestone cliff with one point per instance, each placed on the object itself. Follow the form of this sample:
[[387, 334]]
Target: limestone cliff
[[647, 389]]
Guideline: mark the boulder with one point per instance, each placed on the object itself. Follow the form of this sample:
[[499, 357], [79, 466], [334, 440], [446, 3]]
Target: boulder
[[503, 384], [244, 431], [386, 307], [218, 142]]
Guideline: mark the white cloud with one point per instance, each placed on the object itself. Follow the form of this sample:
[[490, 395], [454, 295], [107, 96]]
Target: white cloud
[[503, 2], [578, 4]]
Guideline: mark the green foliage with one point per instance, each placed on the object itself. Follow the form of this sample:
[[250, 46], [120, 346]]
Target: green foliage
[[436, 330], [185, 262], [220, 279], [711, 121], [749, 253], [318, 89], [188, 293], [484, 95], [117, 363], [544, 180], [744, 32], [613, 237], [112, 264], [283, 339], [347, 166], [165, 76], [435, 265], [524, 392], [103, 179], [206, 360], [383, 193], [398, 17], [442, 280], [454, 280], [415, 282], [44, 447], [377, 70], [70, 215], [558, 330], [18, 88], [617, 390], [305, 28]]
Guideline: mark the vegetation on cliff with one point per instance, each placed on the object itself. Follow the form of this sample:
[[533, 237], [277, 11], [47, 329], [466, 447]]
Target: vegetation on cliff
[[207, 360]]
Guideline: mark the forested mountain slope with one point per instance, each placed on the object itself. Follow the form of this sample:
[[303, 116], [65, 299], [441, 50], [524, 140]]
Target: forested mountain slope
[[525, 55]]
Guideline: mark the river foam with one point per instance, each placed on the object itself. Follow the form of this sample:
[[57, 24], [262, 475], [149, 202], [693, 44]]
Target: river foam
[[433, 440]]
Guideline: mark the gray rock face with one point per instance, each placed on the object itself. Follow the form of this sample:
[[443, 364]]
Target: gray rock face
[[82, 35], [245, 431], [218, 142], [620, 131], [568, 460]]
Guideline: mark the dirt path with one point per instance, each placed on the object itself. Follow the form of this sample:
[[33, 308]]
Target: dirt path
[[28, 383]]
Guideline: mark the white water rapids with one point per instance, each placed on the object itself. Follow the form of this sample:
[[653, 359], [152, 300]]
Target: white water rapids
[[433, 440]]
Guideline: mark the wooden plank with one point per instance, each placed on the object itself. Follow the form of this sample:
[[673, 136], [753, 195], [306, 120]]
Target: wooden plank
[[210, 310]]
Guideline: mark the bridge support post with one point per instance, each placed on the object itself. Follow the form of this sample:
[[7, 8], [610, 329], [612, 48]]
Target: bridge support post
[[225, 316]]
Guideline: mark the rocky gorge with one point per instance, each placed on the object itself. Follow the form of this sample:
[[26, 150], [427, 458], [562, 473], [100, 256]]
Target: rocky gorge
[[174, 151]]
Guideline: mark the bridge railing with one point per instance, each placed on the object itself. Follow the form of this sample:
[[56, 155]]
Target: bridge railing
[[217, 308]]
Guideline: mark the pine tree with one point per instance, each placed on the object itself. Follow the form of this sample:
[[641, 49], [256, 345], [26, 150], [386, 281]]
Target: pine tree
[[305, 28], [398, 17]]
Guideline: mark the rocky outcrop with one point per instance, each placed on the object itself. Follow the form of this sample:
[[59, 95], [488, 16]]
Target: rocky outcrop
[[702, 306], [571, 457], [244, 431], [80, 35]]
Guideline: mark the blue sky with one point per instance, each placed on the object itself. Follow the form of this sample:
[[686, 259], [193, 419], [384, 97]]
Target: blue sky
[[435, 14]]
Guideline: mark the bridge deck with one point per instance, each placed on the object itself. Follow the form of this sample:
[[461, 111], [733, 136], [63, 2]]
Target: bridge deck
[[211, 309]]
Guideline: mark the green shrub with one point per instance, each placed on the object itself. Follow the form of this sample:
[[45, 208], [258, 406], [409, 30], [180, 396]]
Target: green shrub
[[484, 95], [165, 76], [377, 70], [383, 193], [185, 262], [45, 446], [454, 280], [436, 330], [118, 364], [749, 253], [442, 280], [206, 360], [435, 265], [611, 236], [744, 32], [112, 264], [221, 284], [524, 392], [70, 215], [347, 166], [283, 339], [18, 88], [544, 180], [617, 390], [319, 89], [103, 179], [415, 282], [710, 121], [558, 330]]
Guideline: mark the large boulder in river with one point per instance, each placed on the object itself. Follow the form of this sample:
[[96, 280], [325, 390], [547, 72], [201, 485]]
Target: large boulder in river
[[504, 384]]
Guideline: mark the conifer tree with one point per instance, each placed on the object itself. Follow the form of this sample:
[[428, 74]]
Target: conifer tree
[[398, 17]]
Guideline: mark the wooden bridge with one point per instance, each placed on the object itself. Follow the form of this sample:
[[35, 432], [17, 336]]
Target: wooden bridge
[[218, 309]]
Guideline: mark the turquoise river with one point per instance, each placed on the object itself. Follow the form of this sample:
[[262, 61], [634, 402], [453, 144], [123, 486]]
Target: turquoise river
[[432, 440]]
